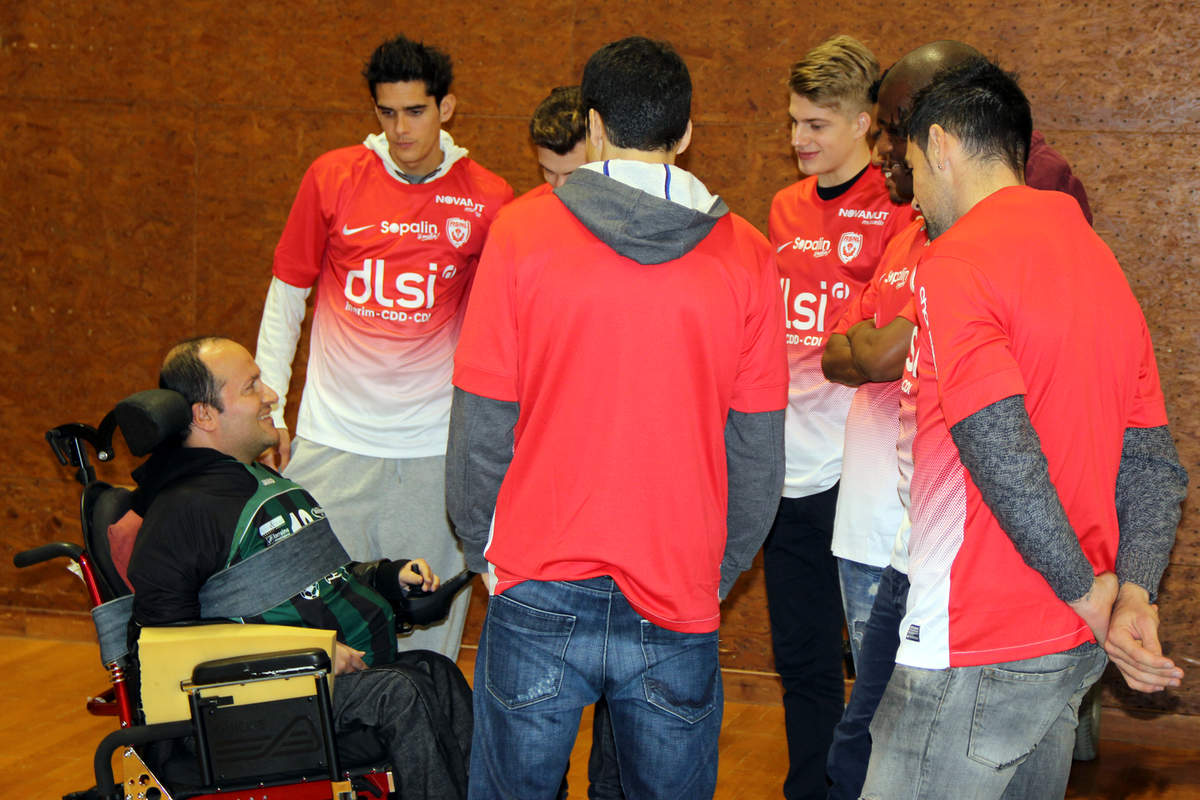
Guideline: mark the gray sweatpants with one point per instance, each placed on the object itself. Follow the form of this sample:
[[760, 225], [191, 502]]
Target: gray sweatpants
[[388, 508]]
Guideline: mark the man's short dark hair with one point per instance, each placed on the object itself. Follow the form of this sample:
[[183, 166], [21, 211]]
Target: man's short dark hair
[[980, 104], [401, 60], [642, 91], [184, 372], [559, 122]]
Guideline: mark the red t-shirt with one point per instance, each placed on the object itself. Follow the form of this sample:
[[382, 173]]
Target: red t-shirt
[[1019, 297], [868, 507], [625, 374], [827, 251], [392, 263]]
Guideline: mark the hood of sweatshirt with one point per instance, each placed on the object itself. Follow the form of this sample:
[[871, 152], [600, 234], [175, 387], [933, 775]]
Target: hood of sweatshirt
[[651, 213], [377, 143]]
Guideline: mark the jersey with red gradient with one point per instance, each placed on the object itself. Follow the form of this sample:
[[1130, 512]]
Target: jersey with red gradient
[[868, 505], [392, 263], [827, 251], [625, 375], [1018, 297]]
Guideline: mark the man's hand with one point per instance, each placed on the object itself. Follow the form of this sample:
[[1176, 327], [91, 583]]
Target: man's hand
[[1133, 642], [281, 453], [1096, 606], [417, 574], [346, 659]]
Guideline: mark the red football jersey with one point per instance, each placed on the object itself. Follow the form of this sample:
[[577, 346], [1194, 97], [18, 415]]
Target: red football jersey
[[827, 251], [1019, 297], [625, 374], [868, 507], [392, 263]]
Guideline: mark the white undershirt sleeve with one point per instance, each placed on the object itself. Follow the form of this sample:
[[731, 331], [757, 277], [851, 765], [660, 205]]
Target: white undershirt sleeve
[[283, 314]]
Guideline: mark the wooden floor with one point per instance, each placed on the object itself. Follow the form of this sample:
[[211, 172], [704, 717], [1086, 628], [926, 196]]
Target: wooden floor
[[48, 739]]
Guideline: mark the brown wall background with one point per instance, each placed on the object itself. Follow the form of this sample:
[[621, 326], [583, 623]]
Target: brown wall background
[[148, 158]]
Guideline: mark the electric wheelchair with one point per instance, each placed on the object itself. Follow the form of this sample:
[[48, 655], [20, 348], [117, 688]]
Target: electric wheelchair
[[252, 703]]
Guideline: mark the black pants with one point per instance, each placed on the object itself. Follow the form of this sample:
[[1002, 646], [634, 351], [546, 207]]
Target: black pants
[[805, 604], [416, 713]]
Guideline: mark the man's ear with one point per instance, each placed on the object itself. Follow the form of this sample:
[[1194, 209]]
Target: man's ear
[[204, 417], [862, 124], [594, 136], [446, 107], [938, 147], [685, 140]]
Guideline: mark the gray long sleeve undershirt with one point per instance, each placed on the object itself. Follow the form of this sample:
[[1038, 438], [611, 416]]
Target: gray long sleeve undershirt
[[1003, 454], [478, 453], [754, 463]]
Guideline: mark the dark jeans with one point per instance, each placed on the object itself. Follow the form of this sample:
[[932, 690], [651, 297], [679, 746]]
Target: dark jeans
[[851, 748], [416, 712], [805, 605]]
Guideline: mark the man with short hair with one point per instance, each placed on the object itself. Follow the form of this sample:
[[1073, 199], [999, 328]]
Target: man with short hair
[[1038, 403], [557, 128], [829, 230], [616, 445], [209, 507], [389, 233], [878, 354]]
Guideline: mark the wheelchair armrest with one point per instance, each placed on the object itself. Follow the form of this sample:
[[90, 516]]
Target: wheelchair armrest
[[261, 666], [36, 555]]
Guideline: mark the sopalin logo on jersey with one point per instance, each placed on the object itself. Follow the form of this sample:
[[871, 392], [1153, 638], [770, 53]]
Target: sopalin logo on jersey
[[896, 278], [424, 230], [818, 247], [406, 298], [807, 312]]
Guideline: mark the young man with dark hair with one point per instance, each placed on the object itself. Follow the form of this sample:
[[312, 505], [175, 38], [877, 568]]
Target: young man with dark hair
[[616, 445], [829, 230], [1038, 406], [879, 356], [209, 507], [389, 233], [557, 130]]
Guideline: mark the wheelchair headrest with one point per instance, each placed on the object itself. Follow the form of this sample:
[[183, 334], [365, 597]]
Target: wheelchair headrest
[[149, 418]]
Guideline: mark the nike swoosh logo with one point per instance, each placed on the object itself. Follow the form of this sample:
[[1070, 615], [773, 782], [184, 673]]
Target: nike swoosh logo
[[348, 231]]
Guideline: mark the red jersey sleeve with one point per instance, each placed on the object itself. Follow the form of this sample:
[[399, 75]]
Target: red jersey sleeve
[[485, 362], [972, 358], [762, 378], [302, 246], [1149, 409], [862, 307]]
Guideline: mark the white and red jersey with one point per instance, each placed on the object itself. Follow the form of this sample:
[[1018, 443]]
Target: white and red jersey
[[392, 263], [868, 506], [1018, 297], [827, 251]]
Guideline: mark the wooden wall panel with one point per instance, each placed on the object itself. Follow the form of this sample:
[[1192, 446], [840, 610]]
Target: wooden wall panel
[[148, 158]]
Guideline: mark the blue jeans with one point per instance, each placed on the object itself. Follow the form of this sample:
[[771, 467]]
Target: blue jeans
[[981, 733], [851, 748], [550, 648], [859, 583]]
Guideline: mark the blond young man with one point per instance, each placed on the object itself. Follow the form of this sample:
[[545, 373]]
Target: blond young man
[[829, 230], [557, 130]]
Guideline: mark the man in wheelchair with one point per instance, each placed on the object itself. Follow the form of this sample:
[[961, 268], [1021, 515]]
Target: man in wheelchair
[[208, 507]]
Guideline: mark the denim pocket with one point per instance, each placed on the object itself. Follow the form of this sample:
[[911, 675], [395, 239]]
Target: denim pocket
[[525, 650], [682, 675], [1013, 712]]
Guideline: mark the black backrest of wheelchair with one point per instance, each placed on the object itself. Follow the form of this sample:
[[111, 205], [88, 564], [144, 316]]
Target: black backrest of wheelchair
[[101, 505], [149, 418]]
